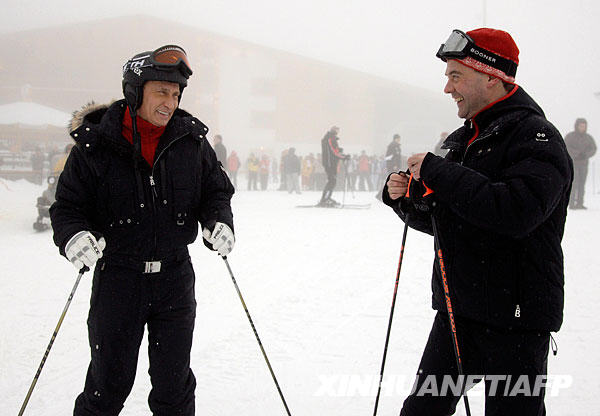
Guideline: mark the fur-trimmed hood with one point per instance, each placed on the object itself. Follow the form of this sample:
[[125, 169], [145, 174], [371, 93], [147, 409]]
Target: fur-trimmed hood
[[79, 115], [102, 123]]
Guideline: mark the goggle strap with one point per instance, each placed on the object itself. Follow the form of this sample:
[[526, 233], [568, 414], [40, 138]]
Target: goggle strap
[[479, 54], [496, 61]]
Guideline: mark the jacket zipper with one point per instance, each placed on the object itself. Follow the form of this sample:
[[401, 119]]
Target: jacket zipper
[[155, 194], [478, 140]]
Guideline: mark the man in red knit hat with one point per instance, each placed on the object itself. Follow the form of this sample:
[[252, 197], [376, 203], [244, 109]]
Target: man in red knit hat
[[140, 178], [497, 213]]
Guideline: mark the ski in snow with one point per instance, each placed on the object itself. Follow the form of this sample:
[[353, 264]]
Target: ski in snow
[[345, 206]]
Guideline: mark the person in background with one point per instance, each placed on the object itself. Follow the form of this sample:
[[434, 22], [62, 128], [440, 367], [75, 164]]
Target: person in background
[[282, 169], [581, 147], [319, 175], [233, 166], [364, 172], [220, 149], [252, 165], [265, 165], [350, 167], [292, 171], [331, 154], [393, 155], [308, 167], [37, 165], [274, 171]]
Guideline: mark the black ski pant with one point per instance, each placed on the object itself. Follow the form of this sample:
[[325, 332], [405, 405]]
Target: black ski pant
[[123, 302], [507, 359], [330, 185]]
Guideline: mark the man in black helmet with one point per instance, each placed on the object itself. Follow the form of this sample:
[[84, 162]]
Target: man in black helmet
[[139, 179]]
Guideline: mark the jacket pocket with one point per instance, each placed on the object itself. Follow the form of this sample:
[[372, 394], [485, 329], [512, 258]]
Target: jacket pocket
[[182, 189], [182, 201], [122, 203]]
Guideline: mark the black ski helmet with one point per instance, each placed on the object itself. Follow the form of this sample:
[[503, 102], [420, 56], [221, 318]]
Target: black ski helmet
[[167, 63]]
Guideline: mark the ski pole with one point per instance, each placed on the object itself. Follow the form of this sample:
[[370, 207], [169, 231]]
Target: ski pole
[[389, 330], [62, 317], [352, 183], [345, 181], [440, 262], [257, 337]]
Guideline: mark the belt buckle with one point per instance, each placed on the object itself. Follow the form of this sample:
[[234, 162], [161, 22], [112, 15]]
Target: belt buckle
[[152, 266]]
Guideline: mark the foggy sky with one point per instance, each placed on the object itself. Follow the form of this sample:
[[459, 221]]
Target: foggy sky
[[559, 57]]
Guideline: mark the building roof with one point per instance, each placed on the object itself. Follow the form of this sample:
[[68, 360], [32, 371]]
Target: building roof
[[32, 114]]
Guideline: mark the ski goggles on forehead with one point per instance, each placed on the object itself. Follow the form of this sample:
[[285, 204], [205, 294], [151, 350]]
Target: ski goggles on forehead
[[460, 46], [456, 46], [170, 56], [166, 58]]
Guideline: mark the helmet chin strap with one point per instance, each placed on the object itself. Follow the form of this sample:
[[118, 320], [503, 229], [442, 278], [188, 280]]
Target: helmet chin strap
[[137, 140], [137, 155]]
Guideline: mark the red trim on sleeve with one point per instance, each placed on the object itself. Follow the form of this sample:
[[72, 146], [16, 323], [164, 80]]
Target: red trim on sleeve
[[336, 151]]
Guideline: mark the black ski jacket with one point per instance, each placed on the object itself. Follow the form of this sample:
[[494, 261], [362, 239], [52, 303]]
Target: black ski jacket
[[148, 214], [501, 205], [331, 152], [581, 147]]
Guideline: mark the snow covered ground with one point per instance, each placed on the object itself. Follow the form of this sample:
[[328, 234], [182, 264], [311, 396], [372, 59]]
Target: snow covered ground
[[318, 284]]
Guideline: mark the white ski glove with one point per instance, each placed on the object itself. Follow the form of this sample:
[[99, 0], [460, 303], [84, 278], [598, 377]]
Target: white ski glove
[[83, 249], [221, 238]]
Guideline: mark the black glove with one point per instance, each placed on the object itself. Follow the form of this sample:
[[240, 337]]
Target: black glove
[[420, 195], [346, 157]]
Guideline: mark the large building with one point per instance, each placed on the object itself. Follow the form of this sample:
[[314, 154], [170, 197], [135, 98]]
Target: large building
[[257, 98]]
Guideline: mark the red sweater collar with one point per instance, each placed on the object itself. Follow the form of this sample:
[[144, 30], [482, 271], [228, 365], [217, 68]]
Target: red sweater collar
[[149, 133]]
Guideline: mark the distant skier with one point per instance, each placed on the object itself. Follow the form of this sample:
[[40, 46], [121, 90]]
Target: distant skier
[[220, 150], [581, 147], [393, 155], [331, 155]]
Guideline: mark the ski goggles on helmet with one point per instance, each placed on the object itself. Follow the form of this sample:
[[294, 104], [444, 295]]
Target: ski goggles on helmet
[[166, 58], [460, 46]]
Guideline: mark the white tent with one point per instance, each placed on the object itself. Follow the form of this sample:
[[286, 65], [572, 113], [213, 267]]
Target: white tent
[[32, 114]]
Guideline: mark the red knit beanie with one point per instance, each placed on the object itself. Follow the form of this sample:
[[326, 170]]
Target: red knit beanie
[[498, 42]]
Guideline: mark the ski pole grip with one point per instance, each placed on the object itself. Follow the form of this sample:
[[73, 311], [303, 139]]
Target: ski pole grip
[[428, 191]]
